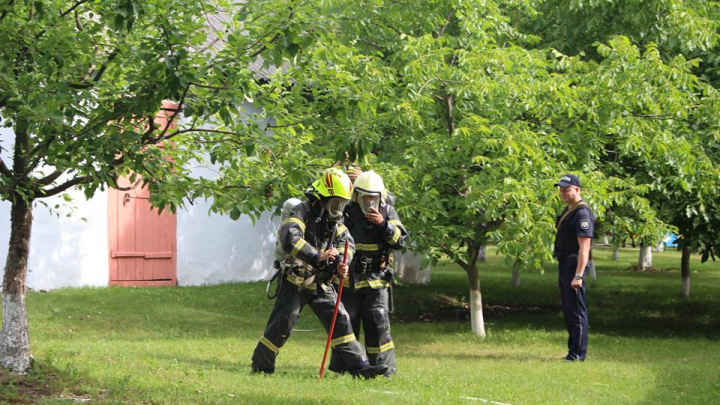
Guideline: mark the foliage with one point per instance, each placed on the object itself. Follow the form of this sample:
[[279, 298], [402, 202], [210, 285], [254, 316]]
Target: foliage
[[468, 109], [81, 83], [471, 115]]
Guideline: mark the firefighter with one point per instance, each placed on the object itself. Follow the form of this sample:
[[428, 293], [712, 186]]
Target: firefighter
[[310, 236], [377, 231]]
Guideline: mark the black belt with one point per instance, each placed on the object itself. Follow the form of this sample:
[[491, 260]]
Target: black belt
[[563, 258]]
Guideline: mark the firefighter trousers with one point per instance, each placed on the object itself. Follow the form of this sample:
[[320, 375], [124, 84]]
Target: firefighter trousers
[[286, 311], [369, 307]]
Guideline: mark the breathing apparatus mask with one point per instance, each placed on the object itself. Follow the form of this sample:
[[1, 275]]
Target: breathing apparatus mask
[[368, 202], [335, 206]]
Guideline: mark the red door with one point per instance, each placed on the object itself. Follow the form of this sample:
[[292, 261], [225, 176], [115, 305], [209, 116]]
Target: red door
[[143, 248], [143, 243]]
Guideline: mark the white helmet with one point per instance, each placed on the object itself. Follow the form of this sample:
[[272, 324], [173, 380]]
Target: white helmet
[[369, 191]]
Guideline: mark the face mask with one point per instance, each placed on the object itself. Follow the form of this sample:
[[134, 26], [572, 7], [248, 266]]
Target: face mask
[[335, 208], [368, 202]]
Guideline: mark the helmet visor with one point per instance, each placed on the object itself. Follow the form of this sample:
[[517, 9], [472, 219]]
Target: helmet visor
[[368, 202], [335, 207]]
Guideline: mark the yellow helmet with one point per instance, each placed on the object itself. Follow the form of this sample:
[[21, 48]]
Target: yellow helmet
[[334, 183]]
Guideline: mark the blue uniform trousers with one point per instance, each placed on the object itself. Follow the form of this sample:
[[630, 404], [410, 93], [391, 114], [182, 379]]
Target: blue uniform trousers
[[574, 308]]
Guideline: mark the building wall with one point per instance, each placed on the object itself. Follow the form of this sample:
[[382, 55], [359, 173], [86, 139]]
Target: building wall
[[73, 251], [64, 251], [214, 249]]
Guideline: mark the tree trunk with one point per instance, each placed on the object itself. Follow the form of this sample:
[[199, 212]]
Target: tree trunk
[[685, 272], [645, 261], [605, 240], [593, 272], [481, 254], [516, 273], [660, 247], [516, 278], [477, 323], [14, 341], [616, 254]]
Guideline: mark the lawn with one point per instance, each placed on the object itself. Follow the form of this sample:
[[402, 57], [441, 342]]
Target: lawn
[[192, 345]]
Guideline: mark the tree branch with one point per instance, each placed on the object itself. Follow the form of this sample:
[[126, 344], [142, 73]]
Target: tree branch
[[4, 13], [447, 22], [454, 58], [41, 146], [78, 23], [172, 117], [205, 86], [217, 131], [68, 184], [4, 170], [100, 121], [99, 74], [450, 103], [426, 83], [374, 45], [125, 188], [264, 47], [70, 10], [285, 125], [49, 179], [391, 27], [62, 15], [210, 142]]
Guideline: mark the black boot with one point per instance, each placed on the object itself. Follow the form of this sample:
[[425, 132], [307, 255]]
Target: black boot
[[258, 370], [368, 372]]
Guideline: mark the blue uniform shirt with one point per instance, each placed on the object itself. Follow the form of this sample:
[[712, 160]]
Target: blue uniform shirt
[[580, 223]]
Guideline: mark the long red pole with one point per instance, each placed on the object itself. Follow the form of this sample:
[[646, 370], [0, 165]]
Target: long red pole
[[334, 318]]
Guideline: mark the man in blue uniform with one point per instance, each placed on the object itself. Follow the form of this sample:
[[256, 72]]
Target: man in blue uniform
[[575, 226]]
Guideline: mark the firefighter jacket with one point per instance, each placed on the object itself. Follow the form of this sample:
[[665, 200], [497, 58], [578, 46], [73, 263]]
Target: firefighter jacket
[[304, 235], [370, 267]]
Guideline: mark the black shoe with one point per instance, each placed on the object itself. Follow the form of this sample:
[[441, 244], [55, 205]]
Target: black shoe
[[369, 372], [258, 370], [338, 370]]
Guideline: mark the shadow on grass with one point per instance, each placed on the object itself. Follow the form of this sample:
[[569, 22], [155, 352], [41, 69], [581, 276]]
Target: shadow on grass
[[621, 302], [42, 381]]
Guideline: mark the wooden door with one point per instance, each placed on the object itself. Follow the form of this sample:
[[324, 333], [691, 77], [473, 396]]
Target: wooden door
[[143, 243]]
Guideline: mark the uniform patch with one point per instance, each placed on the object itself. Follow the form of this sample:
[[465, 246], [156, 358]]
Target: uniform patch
[[584, 224]]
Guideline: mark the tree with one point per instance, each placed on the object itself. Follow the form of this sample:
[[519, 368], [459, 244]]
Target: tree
[[685, 36], [472, 119], [80, 86]]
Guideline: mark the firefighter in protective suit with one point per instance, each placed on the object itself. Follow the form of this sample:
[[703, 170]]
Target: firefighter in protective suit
[[377, 231], [310, 236]]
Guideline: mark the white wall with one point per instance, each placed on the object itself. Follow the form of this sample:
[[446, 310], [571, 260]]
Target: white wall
[[215, 249], [70, 251], [64, 251]]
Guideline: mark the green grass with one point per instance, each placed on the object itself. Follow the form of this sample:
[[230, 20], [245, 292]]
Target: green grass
[[192, 345]]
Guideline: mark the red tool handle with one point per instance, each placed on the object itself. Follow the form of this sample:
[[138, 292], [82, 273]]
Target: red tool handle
[[334, 318]]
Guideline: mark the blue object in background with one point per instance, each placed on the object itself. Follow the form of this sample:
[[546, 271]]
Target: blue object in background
[[669, 240]]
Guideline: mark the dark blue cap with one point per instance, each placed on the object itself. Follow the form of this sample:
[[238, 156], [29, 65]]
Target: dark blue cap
[[568, 180]]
